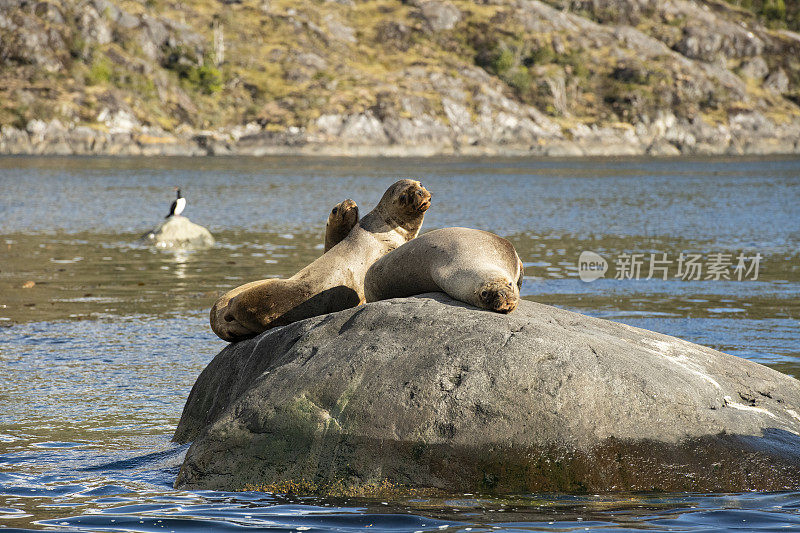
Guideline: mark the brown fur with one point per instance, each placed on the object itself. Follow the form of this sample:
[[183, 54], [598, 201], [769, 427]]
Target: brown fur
[[333, 282], [474, 266], [341, 220]]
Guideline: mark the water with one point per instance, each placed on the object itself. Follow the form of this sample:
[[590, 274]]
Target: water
[[97, 358]]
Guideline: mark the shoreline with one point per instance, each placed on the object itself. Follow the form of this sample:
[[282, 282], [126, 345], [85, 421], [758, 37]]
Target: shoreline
[[608, 142]]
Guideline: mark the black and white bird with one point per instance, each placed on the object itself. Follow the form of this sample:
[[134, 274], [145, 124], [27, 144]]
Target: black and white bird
[[178, 205]]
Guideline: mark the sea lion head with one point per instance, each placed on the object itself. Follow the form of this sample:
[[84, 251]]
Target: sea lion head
[[499, 295], [414, 199], [344, 214], [342, 219], [405, 203]]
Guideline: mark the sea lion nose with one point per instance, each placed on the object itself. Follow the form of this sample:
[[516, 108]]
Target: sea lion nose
[[510, 306], [505, 300]]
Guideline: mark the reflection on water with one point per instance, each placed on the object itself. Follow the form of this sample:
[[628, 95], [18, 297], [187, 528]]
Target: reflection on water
[[116, 277], [753, 319], [101, 340]]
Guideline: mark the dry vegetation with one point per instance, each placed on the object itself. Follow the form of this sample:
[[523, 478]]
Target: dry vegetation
[[283, 63]]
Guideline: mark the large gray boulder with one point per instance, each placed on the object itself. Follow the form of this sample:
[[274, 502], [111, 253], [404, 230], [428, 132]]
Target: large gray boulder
[[430, 392], [179, 232]]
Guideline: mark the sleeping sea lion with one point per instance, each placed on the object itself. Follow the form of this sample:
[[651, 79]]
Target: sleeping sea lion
[[335, 280], [474, 266], [343, 217]]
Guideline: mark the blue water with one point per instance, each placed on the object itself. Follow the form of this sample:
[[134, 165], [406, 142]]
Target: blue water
[[96, 360]]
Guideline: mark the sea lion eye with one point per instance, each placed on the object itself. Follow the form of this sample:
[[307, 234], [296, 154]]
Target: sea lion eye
[[484, 294], [334, 210]]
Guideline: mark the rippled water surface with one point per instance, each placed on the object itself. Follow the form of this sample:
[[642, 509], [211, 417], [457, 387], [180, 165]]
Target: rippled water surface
[[98, 356]]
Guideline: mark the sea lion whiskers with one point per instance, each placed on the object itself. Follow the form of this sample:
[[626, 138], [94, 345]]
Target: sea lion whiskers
[[499, 295], [401, 210]]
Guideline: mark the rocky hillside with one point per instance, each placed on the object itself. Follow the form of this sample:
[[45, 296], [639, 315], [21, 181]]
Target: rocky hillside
[[555, 77]]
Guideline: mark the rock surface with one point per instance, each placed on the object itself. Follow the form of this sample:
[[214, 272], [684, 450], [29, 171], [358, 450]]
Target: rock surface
[[179, 232], [429, 392]]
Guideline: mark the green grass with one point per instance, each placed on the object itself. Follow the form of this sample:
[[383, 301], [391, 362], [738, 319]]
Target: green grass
[[100, 72], [774, 13]]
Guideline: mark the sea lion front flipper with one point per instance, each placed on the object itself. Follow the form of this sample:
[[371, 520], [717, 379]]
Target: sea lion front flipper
[[335, 280]]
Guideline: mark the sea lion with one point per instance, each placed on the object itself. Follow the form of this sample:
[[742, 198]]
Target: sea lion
[[343, 217], [474, 266], [335, 280]]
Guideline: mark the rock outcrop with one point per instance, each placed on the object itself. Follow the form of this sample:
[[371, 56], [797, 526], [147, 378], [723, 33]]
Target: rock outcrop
[[429, 392], [178, 232], [413, 77]]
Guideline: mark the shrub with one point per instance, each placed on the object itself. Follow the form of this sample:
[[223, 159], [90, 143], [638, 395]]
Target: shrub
[[774, 10], [100, 72], [540, 56], [520, 79], [183, 62], [206, 77], [503, 61]]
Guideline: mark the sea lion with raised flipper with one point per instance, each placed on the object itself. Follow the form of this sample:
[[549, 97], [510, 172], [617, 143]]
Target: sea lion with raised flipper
[[343, 217], [474, 266], [335, 280]]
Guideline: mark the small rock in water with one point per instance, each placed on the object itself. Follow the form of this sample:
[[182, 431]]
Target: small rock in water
[[179, 232]]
